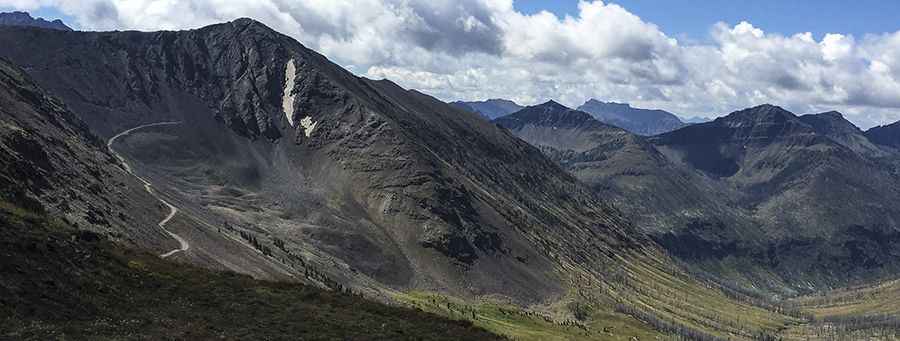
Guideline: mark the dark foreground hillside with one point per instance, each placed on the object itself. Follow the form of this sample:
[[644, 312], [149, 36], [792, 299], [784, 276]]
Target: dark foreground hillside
[[59, 283]]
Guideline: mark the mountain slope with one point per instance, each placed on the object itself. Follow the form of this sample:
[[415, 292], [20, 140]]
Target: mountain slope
[[60, 283], [490, 109], [52, 163], [638, 121]]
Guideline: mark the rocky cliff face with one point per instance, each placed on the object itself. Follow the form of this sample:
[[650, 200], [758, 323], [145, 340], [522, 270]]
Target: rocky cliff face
[[360, 180]]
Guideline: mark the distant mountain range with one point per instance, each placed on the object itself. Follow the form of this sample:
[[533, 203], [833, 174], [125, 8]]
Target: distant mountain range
[[491, 108], [695, 119], [25, 19], [761, 187], [639, 121]]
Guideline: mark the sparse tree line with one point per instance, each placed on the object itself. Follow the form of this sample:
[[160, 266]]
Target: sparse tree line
[[855, 327], [682, 301], [292, 259], [840, 297], [737, 292], [680, 331], [256, 244]]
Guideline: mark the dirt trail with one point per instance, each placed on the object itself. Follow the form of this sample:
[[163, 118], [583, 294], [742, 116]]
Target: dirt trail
[[183, 244]]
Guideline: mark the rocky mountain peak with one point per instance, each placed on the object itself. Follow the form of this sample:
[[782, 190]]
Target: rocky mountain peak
[[764, 122], [550, 113], [553, 105], [760, 114]]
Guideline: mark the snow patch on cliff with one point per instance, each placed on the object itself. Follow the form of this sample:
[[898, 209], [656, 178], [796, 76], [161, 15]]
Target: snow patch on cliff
[[287, 97], [308, 125]]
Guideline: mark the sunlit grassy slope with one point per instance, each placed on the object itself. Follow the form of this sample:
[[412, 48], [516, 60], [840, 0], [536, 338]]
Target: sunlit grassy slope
[[646, 299], [870, 312]]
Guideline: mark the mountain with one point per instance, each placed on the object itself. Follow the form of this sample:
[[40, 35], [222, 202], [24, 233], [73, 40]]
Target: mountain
[[372, 184], [552, 125], [760, 198], [676, 205], [145, 174], [261, 157], [639, 121], [490, 109], [25, 19], [809, 182], [886, 135]]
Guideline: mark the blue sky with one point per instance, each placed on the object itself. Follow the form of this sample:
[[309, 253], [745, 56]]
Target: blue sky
[[694, 18]]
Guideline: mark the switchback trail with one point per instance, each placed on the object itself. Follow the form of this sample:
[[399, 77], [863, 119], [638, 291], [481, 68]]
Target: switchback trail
[[184, 246]]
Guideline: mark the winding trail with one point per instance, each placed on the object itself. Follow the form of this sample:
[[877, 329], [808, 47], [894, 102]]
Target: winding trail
[[183, 244]]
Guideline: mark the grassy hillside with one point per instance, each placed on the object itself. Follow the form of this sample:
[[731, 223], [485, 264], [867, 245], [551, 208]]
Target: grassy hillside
[[645, 299], [58, 283], [870, 312]]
